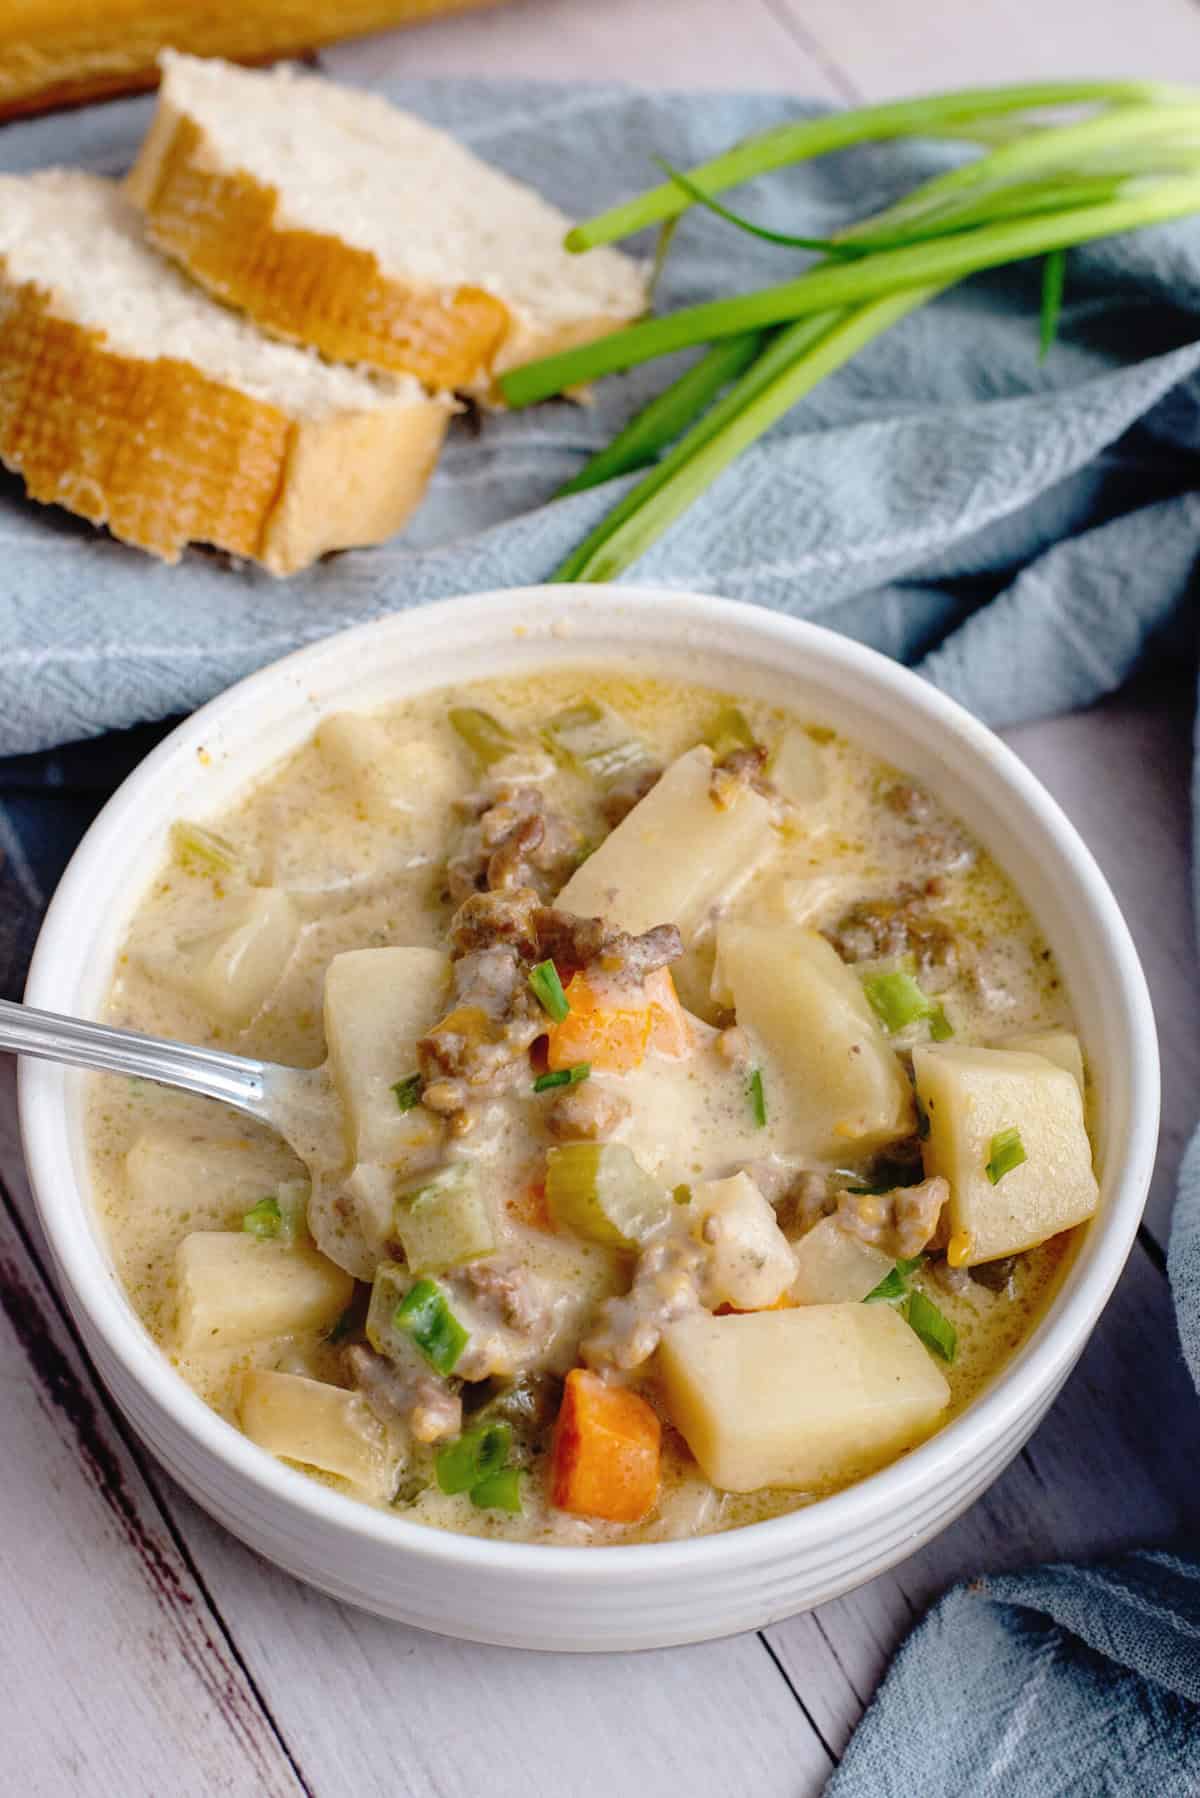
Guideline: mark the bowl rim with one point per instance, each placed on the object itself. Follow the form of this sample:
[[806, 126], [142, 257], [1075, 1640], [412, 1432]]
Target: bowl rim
[[1042, 1360]]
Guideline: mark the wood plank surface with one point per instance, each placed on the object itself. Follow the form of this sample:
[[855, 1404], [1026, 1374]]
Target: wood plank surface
[[144, 1652]]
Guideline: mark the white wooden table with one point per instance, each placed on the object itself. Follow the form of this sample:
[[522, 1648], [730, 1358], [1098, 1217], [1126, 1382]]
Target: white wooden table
[[143, 1652]]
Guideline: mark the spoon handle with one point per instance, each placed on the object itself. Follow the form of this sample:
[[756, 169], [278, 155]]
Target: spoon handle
[[234, 1079]]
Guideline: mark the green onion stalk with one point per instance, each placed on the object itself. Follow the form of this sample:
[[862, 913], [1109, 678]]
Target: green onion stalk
[[1041, 189]]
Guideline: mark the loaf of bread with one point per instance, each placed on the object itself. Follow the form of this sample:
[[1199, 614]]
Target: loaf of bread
[[59, 52], [333, 219], [132, 399]]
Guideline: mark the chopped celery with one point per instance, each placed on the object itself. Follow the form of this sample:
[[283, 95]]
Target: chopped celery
[[281, 1216], [487, 739], [203, 850], [444, 1219], [600, 1191], [596, 741], [424, 1314], [386, 1336], [475, 1454], [499, 1491], [728, 731]]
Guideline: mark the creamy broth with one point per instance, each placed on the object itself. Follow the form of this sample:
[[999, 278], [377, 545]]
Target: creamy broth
[[357, 834]]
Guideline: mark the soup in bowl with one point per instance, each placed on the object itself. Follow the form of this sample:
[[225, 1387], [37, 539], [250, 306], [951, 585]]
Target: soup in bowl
[[705, 1118]]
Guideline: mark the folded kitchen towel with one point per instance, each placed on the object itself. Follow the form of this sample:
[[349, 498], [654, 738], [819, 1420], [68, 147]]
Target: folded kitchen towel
[[1023, 532]]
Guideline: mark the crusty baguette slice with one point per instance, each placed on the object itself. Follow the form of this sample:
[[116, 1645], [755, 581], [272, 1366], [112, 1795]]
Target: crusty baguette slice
[[58, 52], [336, 220], [131, 398]]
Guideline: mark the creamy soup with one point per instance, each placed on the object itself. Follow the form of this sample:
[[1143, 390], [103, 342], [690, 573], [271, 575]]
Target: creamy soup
[[698, 1120]]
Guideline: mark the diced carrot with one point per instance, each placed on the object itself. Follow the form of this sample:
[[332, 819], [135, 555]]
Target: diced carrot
[[601, 1029], [607, 1446], [670, 1029], [611, 1027]]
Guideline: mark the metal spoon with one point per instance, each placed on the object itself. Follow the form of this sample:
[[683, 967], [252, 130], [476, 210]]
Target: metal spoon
[[298, 1103]]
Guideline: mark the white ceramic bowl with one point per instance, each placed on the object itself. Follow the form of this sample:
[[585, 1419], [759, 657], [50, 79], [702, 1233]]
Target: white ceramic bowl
[[580, 1598]]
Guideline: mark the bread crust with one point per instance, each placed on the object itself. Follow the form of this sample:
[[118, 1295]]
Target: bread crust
[[166, 455], [221, 225], [58, 54]]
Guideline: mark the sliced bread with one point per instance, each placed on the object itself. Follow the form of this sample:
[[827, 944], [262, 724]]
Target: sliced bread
[[132, 399], [336, 220]]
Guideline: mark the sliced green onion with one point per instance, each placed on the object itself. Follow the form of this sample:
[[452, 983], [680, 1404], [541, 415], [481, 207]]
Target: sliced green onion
[[940, 1027], [896, 999], [932, 1326], [548, 990], [828, 245], [264, 1220], [408, 1092], [893, 1286], [658, 424], [488, 740], [477, 1453], [793, 363], [562, 1077], [1006, 1152], [425, 1315], [499, 1491], [879, 276], [1054, 275], [928, 116], [758, 1098]]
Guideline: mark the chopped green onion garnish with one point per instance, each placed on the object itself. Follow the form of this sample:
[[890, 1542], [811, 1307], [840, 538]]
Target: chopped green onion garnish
[[894, 1284], [1006, 1152], [896, 999], [499, 1491], [408, 1092], [562, 1077], [264, 1220], [487, 739], [548, 991], [477, 1453], [424, 1315], [932, 1326], [940, 1026], [757, 1097]]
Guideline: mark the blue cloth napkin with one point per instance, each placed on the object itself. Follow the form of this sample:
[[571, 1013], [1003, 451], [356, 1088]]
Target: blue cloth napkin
[[1023, 532]]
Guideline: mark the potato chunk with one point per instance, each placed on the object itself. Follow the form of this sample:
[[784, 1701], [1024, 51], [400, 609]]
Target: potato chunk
[[677, 852], [319, 1426], [751, 1262], [233, 971], [386, 779], [832, 1267], [1059, 1046], [807, 1398], [970, 1096], [235, 1289], [377, 1003], [831, 1081]]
